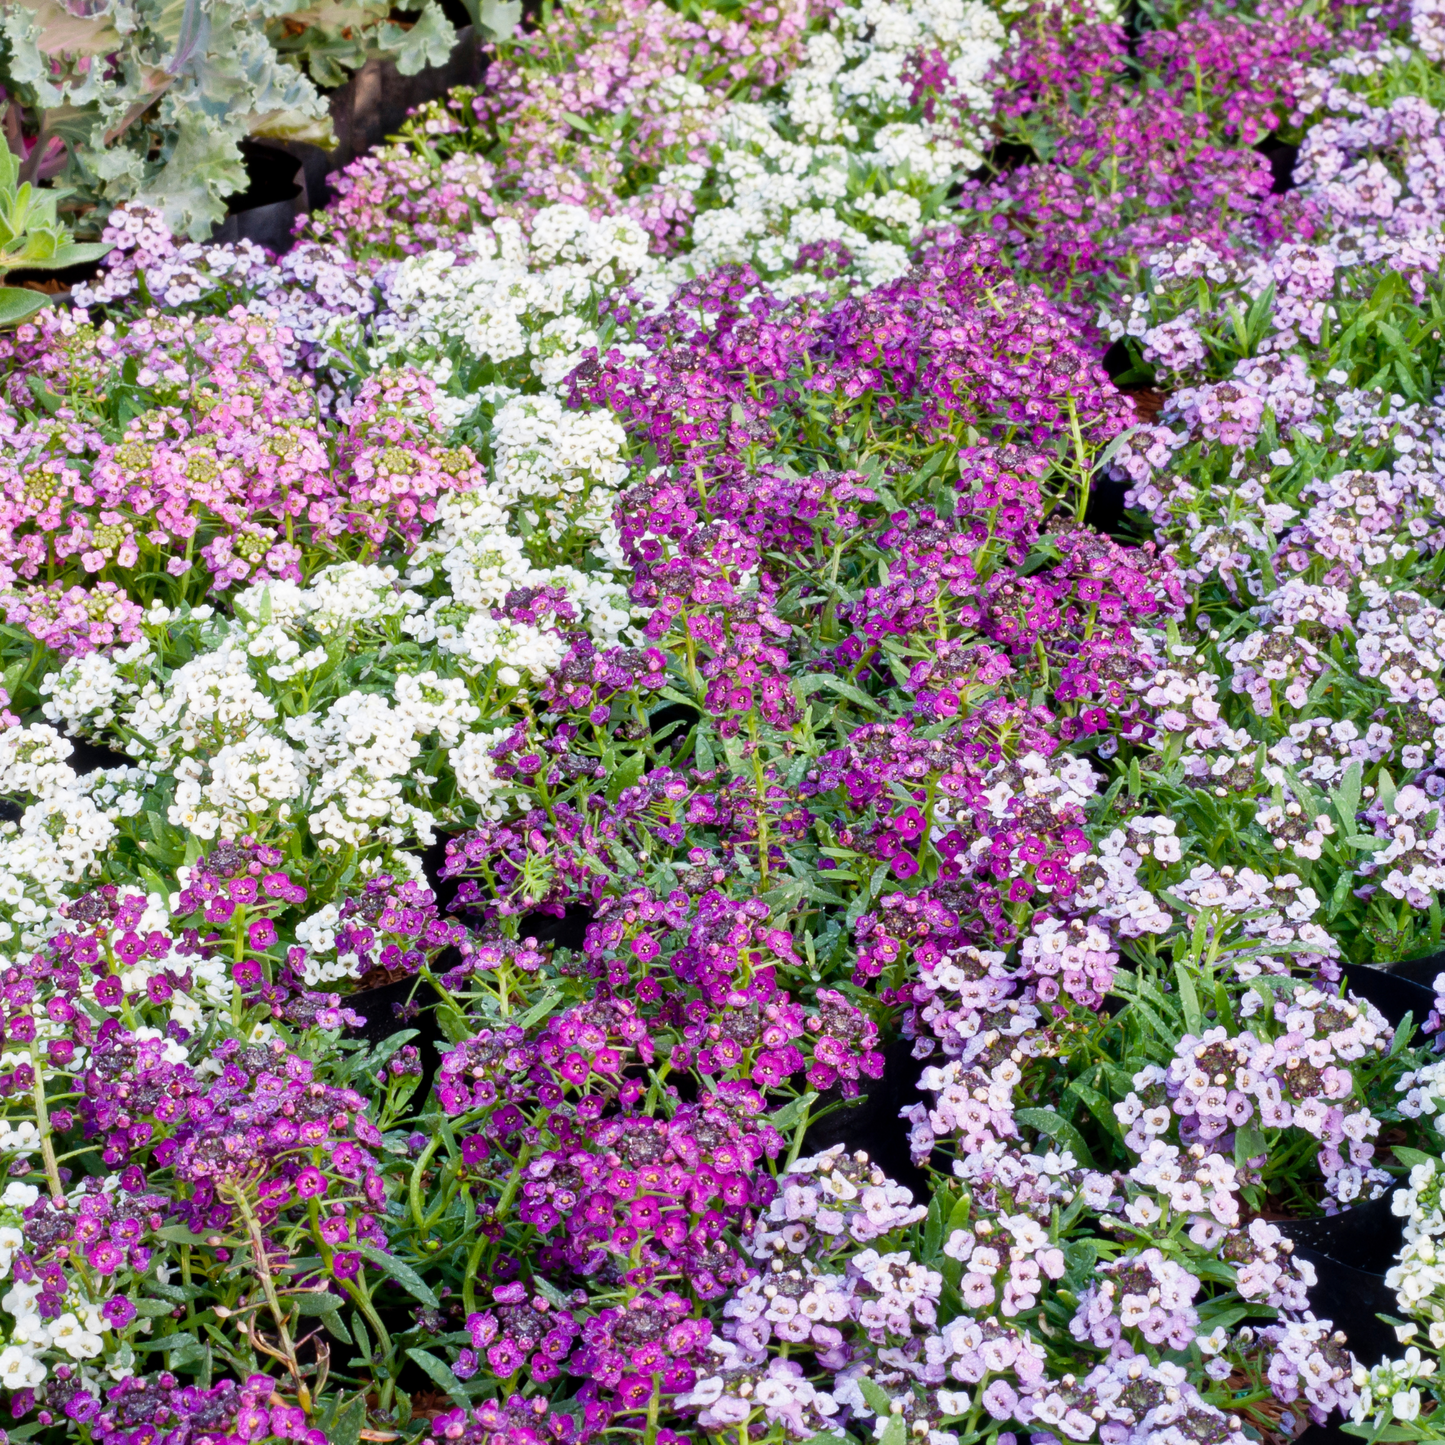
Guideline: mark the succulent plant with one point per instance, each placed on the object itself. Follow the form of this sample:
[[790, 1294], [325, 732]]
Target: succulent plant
[[32, 238]]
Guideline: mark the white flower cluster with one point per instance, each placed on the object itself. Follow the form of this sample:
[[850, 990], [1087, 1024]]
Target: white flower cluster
[[348, 598], [1142, 1291], [76, 1333], [792, 1300], [1191, 1183], [744, 1381], [1411, 865], [485, 561], [1321, 749], [305, 290], [509, 299], [1182, 691], [1401, 640], [1393, 1385], [850, 106], [836, 1195], [1275, 915], [1005, 1261], [347, 766], [1109, 886], [62, 837], [564, 466]]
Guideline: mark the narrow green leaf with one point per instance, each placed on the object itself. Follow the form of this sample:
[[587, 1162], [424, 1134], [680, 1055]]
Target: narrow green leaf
[[401, 1272], [1404, 1032], [313, 1302], [933, 1228], [876, 1396], [180, 1234], [539, 1010], [1098, 1106], [77, 253], [1188, 1000], [810, 683], [18, 303], [579, 122], [441, 1373], [1249, 1143], [1046, 1121], [1413, 1157], [348, 1425]]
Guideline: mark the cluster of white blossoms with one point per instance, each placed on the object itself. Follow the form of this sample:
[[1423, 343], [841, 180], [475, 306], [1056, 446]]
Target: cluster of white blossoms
[[1411, 863], [1417, 1277], [61, 838], [304, 290], [249, 732], [789, 175], [1109, 887], [503, 305], [484, 561]]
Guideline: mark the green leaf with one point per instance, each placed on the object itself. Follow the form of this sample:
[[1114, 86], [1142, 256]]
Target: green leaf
[[401, 1272], [18, 304], [499, 18], [877, 1397], [626, 774], [166, 1342], [1249, 1143], [895, 1432], [77, 253], [539, 1010], [703, 753], [1188, 1000], [1346, 798], [153, 1308], [346, 1428], [453, 1023], [1412, 1157], [1404, 1032], [933, 1228], [579, 122], [1046, 1121], [441, 1373], [808, 684], [180, 1234], [1226, 1314], [1098, 1106], [788, 1116], [1415, 1432], [315, 1302]]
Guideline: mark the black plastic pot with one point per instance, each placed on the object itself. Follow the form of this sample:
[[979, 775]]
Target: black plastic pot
[[1365, 1238], [1352, 1298], [1281, 156], [433, 857], [1423, 971], [1327, 1434], [266, 211], [371, 106], [1394, 992], [874, 1124], [89, 757], [385, 1010]]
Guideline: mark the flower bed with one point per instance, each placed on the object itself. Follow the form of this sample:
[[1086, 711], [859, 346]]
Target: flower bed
[[602, 846]]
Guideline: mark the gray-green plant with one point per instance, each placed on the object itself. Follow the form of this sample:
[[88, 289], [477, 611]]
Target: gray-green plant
[[148, 100], [32, 238]]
